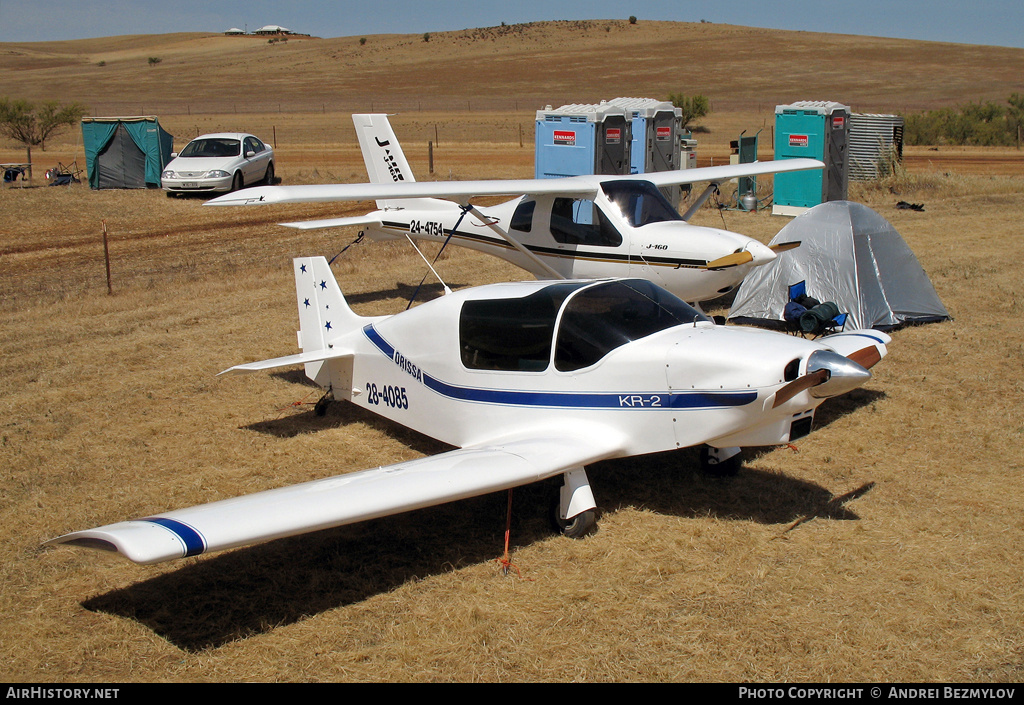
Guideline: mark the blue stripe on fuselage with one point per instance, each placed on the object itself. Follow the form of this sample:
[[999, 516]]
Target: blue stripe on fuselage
[[572, 400]]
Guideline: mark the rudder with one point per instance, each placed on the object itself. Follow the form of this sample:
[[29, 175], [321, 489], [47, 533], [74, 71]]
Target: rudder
[[324, 314], [385, 161]]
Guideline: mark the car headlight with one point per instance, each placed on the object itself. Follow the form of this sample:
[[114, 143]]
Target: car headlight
[[168, 175], [216, 174]]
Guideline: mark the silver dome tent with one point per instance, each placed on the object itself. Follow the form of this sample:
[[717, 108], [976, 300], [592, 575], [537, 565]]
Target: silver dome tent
[[849, 255]]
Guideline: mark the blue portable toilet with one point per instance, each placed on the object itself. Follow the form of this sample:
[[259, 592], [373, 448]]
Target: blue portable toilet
[[575, 140], [816, 130]]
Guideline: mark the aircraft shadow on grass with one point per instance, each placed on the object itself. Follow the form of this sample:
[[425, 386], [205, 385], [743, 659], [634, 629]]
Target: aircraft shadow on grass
[[404, 292], [253, 590]]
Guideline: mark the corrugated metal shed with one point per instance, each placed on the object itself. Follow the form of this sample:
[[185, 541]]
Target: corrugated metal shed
[[876, 144]]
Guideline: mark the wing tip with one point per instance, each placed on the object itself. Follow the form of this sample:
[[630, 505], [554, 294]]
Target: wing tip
[[142, 541], [258, 195]]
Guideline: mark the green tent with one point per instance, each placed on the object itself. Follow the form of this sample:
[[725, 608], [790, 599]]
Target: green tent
[[125, 152]]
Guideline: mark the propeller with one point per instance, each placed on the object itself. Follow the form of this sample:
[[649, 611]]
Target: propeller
[[798, 385], [832, 372], [733, 260], [866, 357], [784, 246]]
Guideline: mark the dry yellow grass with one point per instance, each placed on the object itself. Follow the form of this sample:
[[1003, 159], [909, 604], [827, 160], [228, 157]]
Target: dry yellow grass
[[885, 549]]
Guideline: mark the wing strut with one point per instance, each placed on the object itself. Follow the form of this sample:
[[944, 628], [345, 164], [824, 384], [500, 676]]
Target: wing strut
[[705, 195], [512, 241], [446, 289], [436, 257]]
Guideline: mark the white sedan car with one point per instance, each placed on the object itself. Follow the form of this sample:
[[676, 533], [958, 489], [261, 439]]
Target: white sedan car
[[224, 161]]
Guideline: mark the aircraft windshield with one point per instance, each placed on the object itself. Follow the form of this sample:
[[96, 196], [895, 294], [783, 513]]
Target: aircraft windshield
[[219, 147], [512, 334], [640, 202], [606, 316]]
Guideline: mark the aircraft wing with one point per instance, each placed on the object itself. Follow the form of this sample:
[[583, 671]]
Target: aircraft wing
[[345, 499], [581, 186], [865, 347], [463, 191], [720, 174]]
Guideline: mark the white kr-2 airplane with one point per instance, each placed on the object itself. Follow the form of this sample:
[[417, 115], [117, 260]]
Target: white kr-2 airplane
[[528, 381], [579, 227]]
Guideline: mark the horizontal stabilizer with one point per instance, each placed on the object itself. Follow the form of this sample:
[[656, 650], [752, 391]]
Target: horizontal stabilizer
[[345, 499], [286, 361], [334, 222]]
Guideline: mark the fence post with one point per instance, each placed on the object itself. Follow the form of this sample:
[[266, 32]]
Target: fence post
[[106, 257]]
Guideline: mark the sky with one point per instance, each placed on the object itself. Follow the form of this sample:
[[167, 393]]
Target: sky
[[990, 22]]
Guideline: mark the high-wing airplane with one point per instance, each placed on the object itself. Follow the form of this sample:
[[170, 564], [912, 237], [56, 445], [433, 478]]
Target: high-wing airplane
[[528, 381], [570, 228]]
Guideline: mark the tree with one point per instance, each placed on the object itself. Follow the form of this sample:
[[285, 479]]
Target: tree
[[32, 124], [694, 108], [1016, 115]]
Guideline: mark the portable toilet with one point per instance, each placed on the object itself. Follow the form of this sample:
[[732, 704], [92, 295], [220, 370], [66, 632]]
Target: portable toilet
[[817, 130], [125, 152], [575, 140], [657, 128]]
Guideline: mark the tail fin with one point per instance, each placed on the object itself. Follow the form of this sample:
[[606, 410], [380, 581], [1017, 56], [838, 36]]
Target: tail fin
[[383, 155], [386, 162], [324, 315]]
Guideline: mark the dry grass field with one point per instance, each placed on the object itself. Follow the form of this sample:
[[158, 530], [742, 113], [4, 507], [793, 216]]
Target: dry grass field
[[884, 547]]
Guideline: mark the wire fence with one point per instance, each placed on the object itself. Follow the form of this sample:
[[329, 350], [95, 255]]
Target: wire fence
[[352, 104]]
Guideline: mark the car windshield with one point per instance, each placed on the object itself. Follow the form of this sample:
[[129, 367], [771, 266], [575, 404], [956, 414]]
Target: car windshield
[[212, 147], [603, 317], [640, 202]]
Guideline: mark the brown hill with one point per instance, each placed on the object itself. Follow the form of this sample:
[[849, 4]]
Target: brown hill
[[515, 67]]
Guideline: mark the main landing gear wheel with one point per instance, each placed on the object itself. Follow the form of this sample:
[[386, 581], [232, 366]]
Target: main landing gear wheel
[[578, 526], [574, 511], [720, 462]]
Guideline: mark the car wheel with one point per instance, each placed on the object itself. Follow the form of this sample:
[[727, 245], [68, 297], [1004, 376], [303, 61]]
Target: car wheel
[[268, 179], [237, 183]]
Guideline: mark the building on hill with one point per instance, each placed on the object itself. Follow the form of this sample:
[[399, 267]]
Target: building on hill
[[273, 29], [234, 31]]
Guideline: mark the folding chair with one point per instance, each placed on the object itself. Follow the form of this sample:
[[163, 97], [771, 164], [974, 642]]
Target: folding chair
[[806, 315]]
